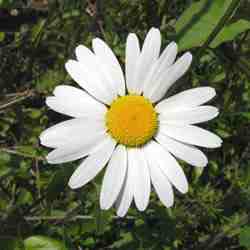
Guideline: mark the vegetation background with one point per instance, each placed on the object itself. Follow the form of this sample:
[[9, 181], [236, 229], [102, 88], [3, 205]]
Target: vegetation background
[[38, 211]]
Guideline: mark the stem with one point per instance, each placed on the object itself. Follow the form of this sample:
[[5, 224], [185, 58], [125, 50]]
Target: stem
[[14, 152], [215, 239], [244, 220], [26, 95], [233, 6], [77, 217]]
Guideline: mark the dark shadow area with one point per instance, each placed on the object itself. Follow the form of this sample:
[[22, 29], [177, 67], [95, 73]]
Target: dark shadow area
[[11, 20]]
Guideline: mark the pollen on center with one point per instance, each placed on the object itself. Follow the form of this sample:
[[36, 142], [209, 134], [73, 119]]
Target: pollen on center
[[131, 120]]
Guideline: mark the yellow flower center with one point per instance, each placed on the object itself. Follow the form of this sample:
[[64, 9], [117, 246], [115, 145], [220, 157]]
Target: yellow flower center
[[131, 120]]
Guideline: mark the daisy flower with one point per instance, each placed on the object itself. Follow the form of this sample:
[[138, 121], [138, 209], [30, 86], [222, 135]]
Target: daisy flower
[[125, 123]]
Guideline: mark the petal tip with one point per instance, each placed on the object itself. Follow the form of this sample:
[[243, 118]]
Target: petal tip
[[154, 29], [188, 56], [69, 64], [104, 206], [213, 91], [203, 164], [120, 214], [48, 159], [174, 45], [184, 188], [48, 100], [72, 184]]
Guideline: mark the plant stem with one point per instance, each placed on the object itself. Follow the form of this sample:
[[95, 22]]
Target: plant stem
[[77, 217], [215, 239], [25, 95], [14, 152]]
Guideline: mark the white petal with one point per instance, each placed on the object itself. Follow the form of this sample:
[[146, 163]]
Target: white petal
[[149, 54], [107, 57], [141, 178], [185, 152], [192, 135], [149, 82], [126, 195], [76, 150], [168, 165], [94, 64], [186, 99], [170, 76], [132, 55], [188, 116], [72, 131], [114, 177], [89, 81], [168, 56], [161, 183], [166, 59], [75, 102], [93, 164]]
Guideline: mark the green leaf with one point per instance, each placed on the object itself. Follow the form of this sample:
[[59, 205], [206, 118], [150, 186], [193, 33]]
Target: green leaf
[[126, 238], [24, 197], [244, 237], [37, 31], [43, 243], [102, 220], [198, 21], [6, 3], [230, 32], [4, 160], [197, 172], [2, 36], [245, 115], [49, 80], [218, 77]]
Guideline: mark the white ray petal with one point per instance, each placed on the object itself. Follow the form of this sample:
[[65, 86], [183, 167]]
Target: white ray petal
[[132, 55], [192, 135], [186, 99], [168, 56], [185, 152], [93, 164], [141, 178], [88, 80], [168, 165], [107, 57], [76, 150], [72, 131], [125, 197], [188, 116], [94, 64], [149, 54], [165, 61], [114, 177], [160, 183], [170, 76], [74, 102]]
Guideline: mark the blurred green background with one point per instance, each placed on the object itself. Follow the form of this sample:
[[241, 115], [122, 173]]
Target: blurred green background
[[38, 211]]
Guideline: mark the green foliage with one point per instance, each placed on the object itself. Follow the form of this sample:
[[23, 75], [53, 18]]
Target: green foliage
[[43, 243], [6, 3], [200, 19], [37, 209], [230, 32], [244, 237]]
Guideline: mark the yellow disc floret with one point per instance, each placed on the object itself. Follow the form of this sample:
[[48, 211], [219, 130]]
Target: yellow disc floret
[[131, 120]]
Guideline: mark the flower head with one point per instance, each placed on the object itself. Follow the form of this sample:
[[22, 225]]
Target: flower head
[[127, 125]]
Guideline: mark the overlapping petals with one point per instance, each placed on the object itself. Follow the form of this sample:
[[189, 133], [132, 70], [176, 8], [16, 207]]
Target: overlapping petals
[[130, 172]]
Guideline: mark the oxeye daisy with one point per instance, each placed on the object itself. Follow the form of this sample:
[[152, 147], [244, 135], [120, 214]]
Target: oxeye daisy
[[124, 123]]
